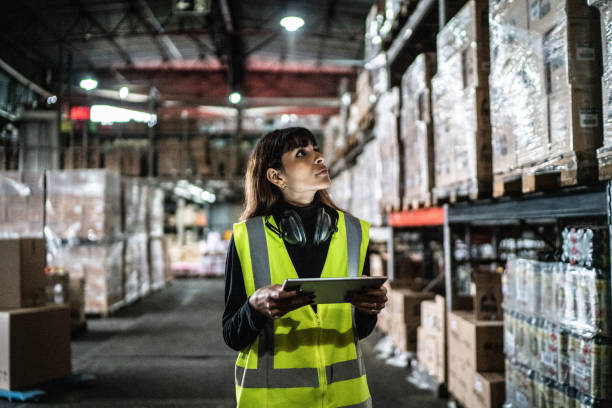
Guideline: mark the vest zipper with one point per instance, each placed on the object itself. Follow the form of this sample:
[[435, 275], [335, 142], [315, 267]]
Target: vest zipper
[[320, 364]]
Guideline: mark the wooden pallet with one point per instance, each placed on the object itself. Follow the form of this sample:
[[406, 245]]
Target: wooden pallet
[[508, 183], [416, 202], [571, 169], [464, 191]]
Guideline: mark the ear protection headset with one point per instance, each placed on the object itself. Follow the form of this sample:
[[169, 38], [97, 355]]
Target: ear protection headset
[[291, 230]]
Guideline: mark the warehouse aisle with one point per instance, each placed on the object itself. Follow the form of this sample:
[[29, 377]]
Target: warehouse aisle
[[167, 350]]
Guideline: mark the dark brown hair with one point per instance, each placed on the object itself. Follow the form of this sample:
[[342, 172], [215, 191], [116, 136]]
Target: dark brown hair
[[260, 195]]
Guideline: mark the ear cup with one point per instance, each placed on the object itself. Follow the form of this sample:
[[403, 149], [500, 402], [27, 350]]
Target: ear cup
[[292, 228], [324, 227]]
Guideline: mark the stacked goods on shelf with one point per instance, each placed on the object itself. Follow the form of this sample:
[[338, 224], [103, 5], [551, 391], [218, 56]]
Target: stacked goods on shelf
[[155, 230], [366, 185], [373, 41], [431, 338], [137, 278], [460, 99], [126, 157], [169, 156], [198, 154], [545, 94], [475, 360], [341, 190], [557, 326], [604, 154], [386, 132], [34, 337], [416, 132], [78, 157], [365, 99], [21, 204], [83, 228], [333, 139]]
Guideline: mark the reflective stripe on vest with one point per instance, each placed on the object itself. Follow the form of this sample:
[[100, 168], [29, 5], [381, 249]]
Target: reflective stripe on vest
[[261, 377]]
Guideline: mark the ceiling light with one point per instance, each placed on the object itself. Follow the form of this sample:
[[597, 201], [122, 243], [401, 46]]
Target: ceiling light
[[123, 92], [235, 97], [292, 23], [51, 100], [113, 114], [88, 84]]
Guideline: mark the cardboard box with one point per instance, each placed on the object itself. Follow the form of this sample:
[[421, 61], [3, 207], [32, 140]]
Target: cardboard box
[[488, 299], [377, 265], [407, 305], [403, 335], [475, 345], [34, 346], [488, 391], [575, 119], [544, 14], [431, 353], [433, 315], [22, 273]]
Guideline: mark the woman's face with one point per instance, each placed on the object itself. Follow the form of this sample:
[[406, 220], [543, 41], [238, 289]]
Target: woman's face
[[304, 171]]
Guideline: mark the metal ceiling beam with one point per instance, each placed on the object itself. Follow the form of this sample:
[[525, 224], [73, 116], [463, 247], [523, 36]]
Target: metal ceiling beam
[[122, 53], [153, 22], [49, 29], [230, 11], [329, 17], [203, 48]]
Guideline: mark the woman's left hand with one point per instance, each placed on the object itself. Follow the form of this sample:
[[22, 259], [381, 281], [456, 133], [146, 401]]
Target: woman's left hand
[[370, 301]]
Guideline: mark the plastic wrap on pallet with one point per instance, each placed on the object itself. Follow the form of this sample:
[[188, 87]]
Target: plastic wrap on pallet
[[366, 185], [333, 139], [155, 212], [386, 131], [416, 129], [544, 64], [341, 189], [101, 265], [134, 205], [157, 259], [21, 204], [460, 98], [83, 204], [586, 246]]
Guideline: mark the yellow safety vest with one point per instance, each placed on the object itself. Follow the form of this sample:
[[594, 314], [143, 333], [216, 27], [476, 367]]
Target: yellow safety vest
[[304, 359]]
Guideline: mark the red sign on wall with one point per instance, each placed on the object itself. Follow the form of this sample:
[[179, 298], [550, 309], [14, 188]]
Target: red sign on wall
[[79, 113]]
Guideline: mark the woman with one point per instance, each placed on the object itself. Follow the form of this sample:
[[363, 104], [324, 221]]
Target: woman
[[294, 353]]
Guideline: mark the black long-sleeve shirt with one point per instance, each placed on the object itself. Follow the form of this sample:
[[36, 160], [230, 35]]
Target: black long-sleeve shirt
[[242, 324]]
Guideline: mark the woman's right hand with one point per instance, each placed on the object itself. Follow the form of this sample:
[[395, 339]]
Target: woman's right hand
[[273, 302]]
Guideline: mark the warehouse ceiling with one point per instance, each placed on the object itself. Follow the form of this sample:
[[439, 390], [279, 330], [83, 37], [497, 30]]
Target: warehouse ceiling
[[190, 59]]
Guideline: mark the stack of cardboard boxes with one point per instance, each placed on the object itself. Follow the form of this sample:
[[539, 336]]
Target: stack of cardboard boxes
[[386, 129], [34, 337], [402, 316], [21, 204], [83, 213], [460, 98], [158, 261], [136, 272], [416, 132], [431, 338], [475, 360], [546, 66]]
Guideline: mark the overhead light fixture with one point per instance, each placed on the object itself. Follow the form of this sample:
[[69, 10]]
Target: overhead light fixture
[[292, 23], [112, 114], [235, 97], [88, 84], [51, 100], [124, 92]]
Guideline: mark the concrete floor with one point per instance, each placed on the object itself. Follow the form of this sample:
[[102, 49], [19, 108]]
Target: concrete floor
[[168, 350]]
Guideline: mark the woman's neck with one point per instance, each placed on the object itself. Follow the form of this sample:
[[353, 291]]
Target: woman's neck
[[299, 200]]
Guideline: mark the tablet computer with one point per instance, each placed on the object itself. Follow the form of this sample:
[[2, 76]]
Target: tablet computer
[[333, 290]]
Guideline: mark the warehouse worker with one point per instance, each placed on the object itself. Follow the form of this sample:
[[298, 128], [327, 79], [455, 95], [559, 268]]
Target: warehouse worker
[[294, 353]]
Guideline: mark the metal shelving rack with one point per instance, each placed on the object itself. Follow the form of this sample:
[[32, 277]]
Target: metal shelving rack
[[591, 203]]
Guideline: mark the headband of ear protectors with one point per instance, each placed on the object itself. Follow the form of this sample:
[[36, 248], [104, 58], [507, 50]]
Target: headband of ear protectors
[[291, 230]]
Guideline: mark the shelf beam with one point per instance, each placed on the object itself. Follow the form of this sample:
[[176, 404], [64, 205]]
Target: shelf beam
[[408, 29], [578, 202]]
